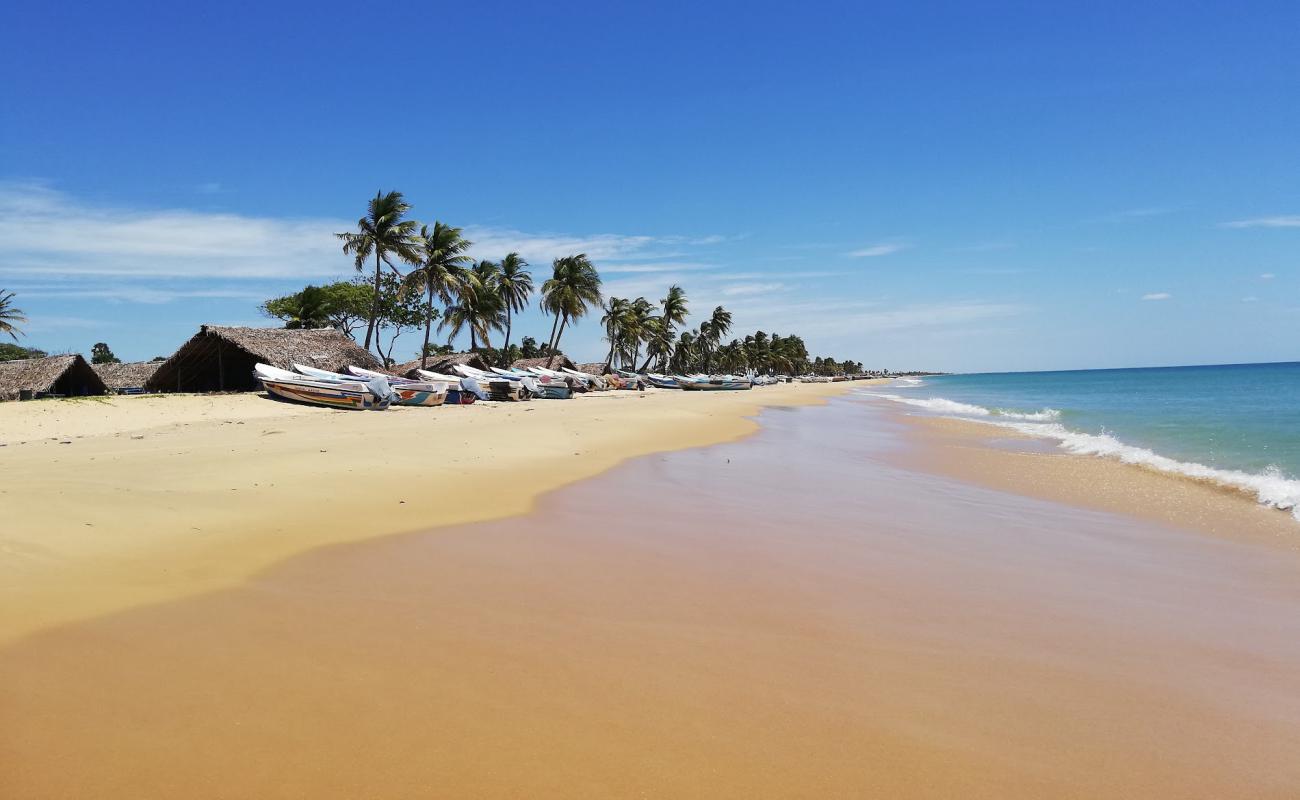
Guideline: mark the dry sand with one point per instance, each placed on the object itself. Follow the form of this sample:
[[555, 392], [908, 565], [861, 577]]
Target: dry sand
[[108, 504]]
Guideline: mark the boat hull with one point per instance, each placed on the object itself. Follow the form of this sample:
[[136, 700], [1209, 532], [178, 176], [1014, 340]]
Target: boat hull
[[715, 386], [330, 397], [418, 397]]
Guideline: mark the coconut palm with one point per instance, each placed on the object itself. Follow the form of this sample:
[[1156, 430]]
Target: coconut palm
[[9, 315], [672, 312], [616, 320], [573, 288], [717, 326], [442, 273], [514, 287], [480, 309], [382, 233]]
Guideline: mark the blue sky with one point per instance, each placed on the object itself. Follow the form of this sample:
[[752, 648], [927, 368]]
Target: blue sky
[[940, 186]]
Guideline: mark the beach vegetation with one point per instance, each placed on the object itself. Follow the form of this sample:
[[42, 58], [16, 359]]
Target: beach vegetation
[[514, 286], [10, 316], [385, 234], [443, 274], [15, 352], [101, 353], [571, 291]]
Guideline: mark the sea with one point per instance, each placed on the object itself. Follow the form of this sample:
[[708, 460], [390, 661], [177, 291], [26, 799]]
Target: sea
[[1237, 425]]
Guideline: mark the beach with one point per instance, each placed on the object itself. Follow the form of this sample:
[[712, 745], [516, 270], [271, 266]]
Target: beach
[[787, 592]]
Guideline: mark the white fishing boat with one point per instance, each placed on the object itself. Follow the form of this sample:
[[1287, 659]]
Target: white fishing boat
[[344, 394]]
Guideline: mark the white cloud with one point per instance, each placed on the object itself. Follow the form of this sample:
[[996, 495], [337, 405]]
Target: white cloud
[[140, 294], [47, 232], [741, 289], [1267, 276], [1157, 296], [678, 266], [1250, 299], [876, 250], [1283, 221], [212, 187]]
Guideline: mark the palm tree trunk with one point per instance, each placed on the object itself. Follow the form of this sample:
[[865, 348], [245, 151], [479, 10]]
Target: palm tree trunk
[[609, 359], [374, 307], [556, 346], [550, 342], [505, 348], [428, 325], [473, 341]]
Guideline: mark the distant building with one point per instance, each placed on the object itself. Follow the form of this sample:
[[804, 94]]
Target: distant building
[[557, 362], [52, 376], [221, 359], [127, 378], [442, 363]]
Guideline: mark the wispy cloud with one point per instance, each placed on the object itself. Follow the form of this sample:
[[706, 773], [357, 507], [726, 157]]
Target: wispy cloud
[[1250, 299], [47, 232], [1157, 296], [671, 266], [877, 250], [212, 187], [1283, 221], [743, 289], [1267, 276], [139, 294]]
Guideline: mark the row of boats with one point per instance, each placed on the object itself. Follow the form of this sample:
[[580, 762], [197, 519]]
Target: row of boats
[[360, 388]]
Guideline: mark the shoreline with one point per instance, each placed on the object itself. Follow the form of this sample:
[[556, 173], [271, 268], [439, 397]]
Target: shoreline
[[986, 454], [117, 503], [805, 616]]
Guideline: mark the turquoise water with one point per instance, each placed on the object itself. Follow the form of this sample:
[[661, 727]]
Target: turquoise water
[[1236, 424]]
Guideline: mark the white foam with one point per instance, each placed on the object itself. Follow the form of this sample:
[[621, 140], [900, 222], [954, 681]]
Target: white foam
[[1270, 487]]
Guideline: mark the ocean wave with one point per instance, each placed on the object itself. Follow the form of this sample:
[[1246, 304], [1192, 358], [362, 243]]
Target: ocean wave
[[907, 383], [942, 406], [1271, 487]]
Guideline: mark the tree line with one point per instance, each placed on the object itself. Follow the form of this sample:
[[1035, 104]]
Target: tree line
[[448, 291]]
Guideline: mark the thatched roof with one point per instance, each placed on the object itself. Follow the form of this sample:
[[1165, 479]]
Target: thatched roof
[[592, 368], [132, 375], [560, 361], [444, 363], [218, 358], [32, 377]]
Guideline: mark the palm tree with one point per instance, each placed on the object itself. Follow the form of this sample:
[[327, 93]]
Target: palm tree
[[673, 312], [717, 326], [616, 322], [307, 309], [573, 288], [441, 273], [10, 316], [481, 309], [383, 233], [514, 287]]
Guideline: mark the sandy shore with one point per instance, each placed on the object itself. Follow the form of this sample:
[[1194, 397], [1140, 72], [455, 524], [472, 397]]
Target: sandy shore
[[114, 503], [791, 615], [994, 456]]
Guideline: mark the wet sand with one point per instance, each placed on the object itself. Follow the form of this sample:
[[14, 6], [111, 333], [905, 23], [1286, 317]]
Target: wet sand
[[793, 615], [994, 456]]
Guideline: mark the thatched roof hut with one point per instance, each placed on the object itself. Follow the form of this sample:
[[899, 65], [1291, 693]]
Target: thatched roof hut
[[560, 361], [593, 368], [443, 364], [66, 376], [124, 378], [220, 359]]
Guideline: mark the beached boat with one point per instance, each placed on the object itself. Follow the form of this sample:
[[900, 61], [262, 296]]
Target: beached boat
[[726, 383], [663, 382], [406, 392], [375, 394]]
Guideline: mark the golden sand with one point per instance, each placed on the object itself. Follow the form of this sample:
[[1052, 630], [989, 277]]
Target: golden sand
[[788, 616], [112, 503]]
